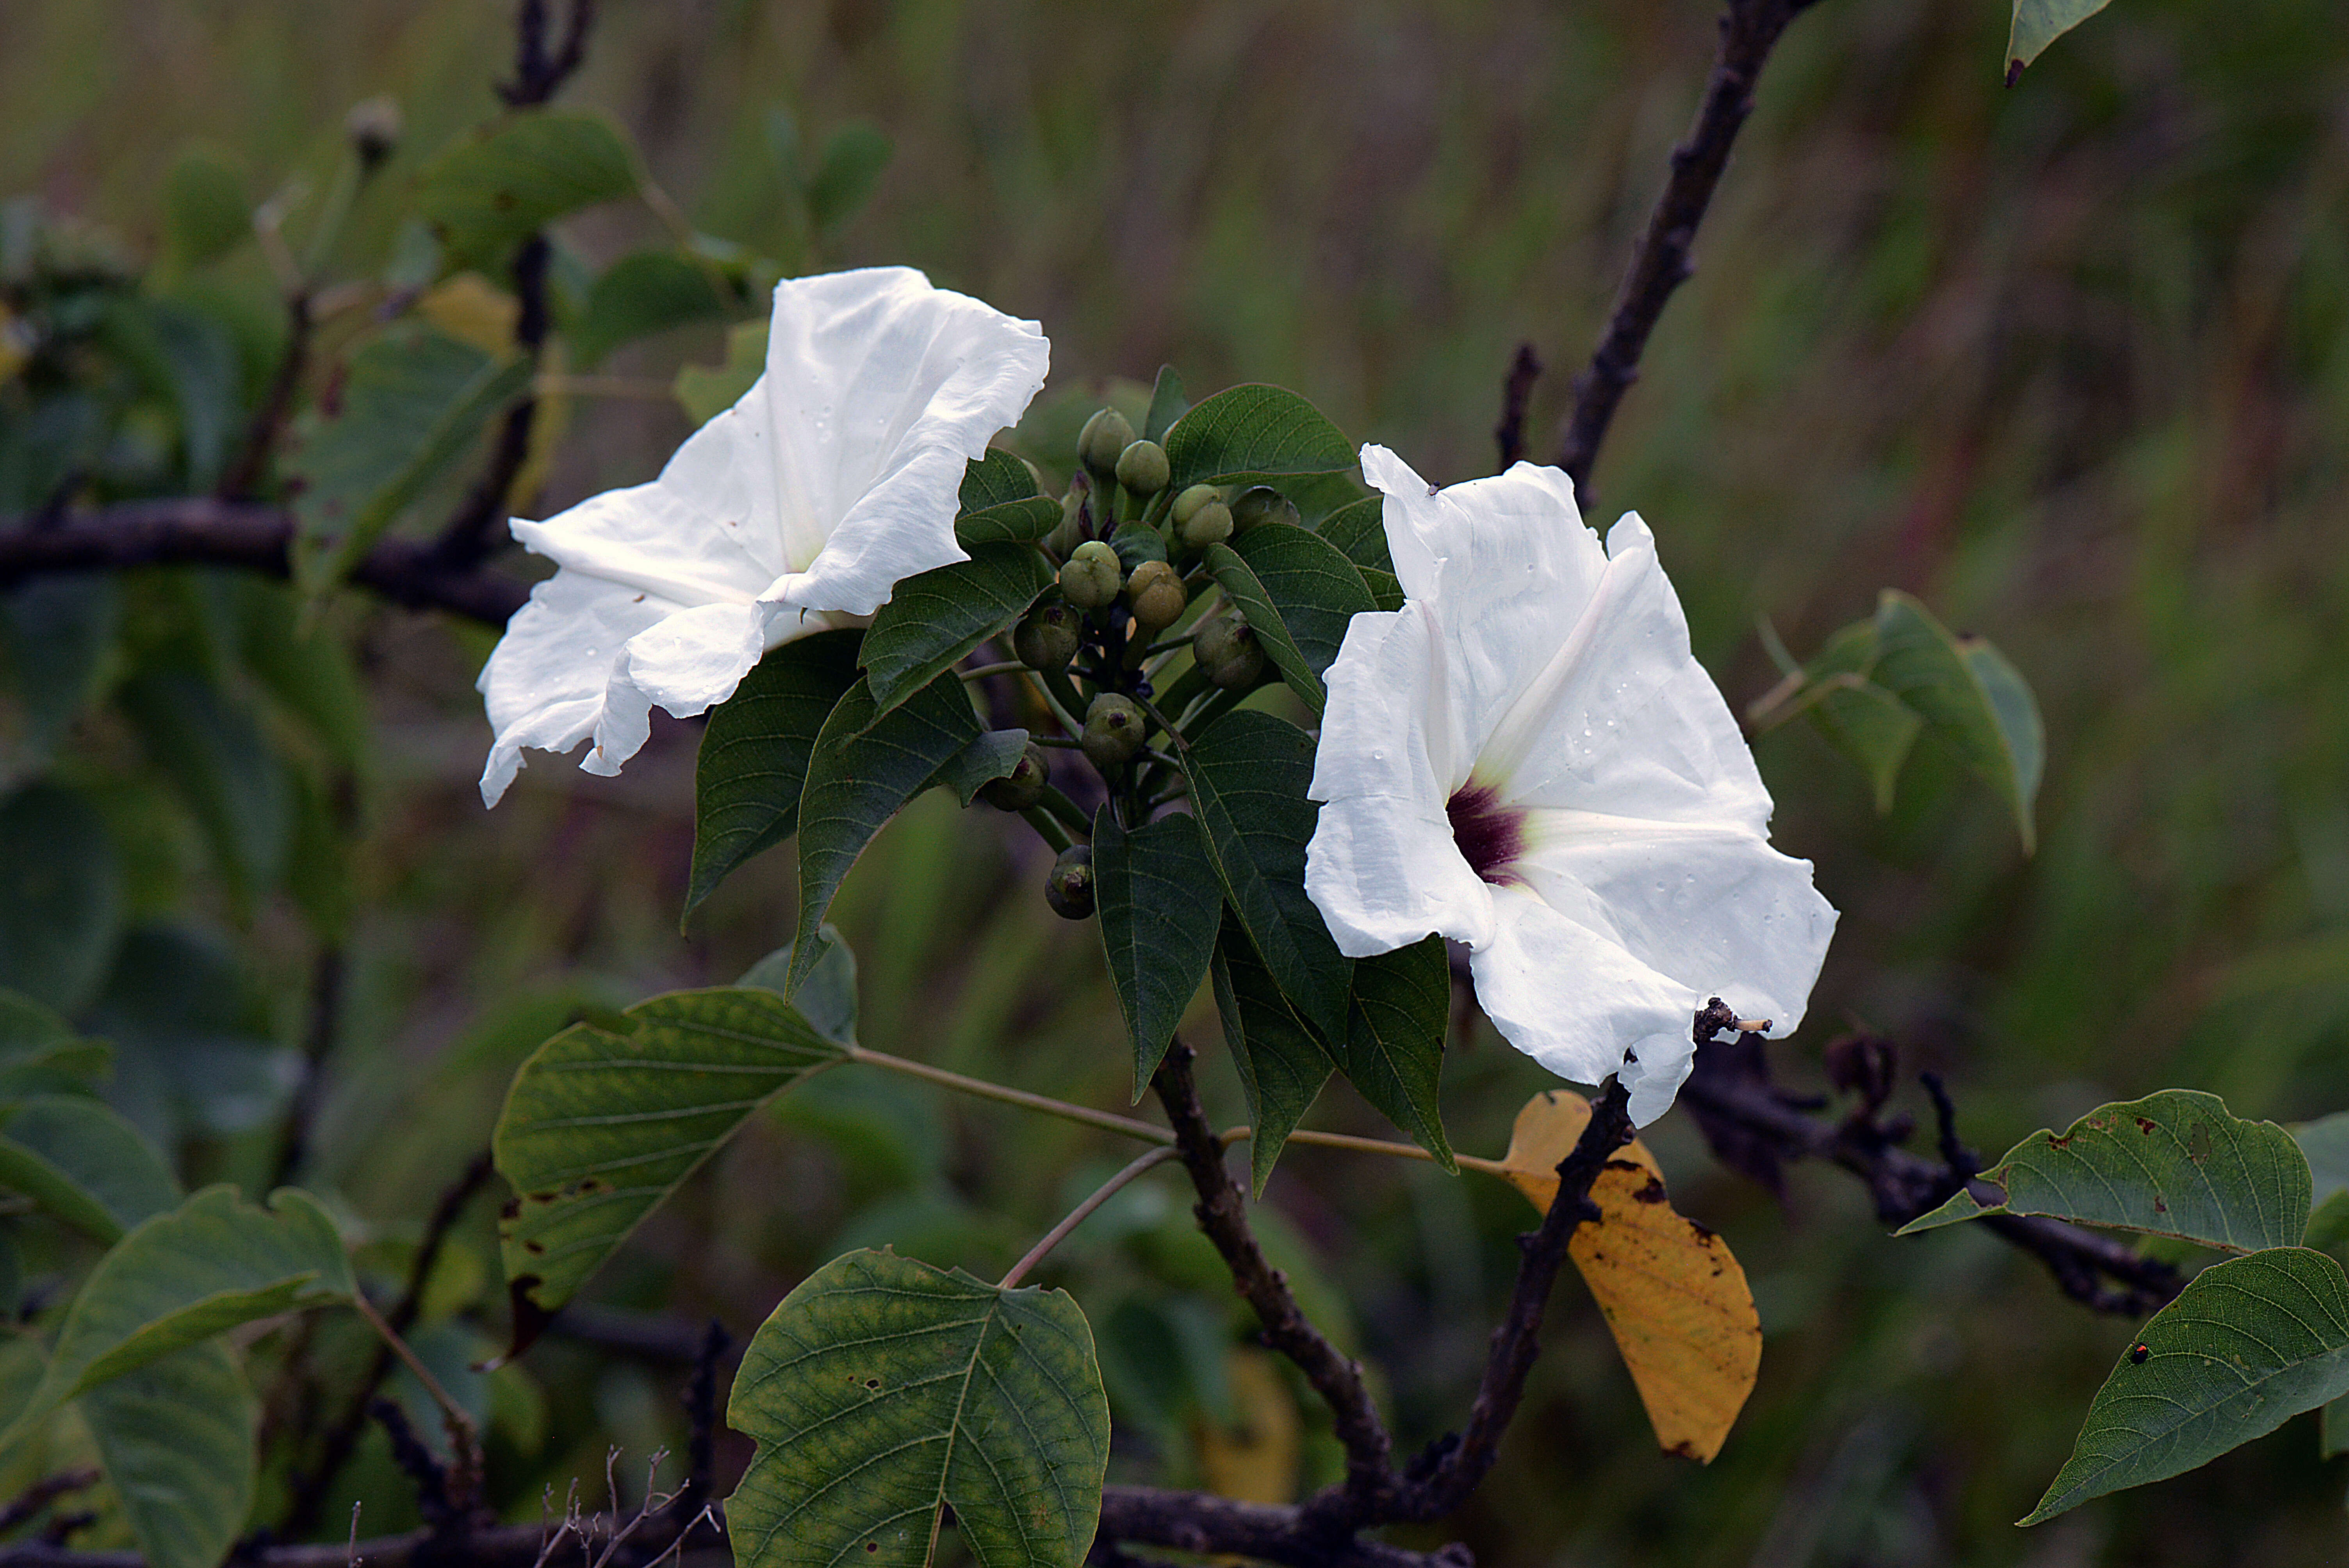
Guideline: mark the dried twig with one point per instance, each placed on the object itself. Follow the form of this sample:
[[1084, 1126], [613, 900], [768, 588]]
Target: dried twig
[[1516, 393]]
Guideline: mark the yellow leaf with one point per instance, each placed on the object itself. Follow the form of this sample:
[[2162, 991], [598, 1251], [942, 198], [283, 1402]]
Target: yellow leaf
[[473, 310], [1255, 1459], [1674, 1297]]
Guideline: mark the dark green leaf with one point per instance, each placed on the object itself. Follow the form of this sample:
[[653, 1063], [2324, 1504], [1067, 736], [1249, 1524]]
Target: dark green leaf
[[1167, 404], [1248, 774], [193, 1053], [177, 1440], [1281, 1066], [41, 1054], [850, 167], [2039, 23], [755, 750], [83, 1163], [644, 293], [1361, 535], [185, 1276], [1395, 1038], [1000, 504], [933, 618], [867, 765], [989, 757], [997, 479], [2249, 1343], [206, 211], [1386, 588], [1967, 695], [607, 1118], [305, 669], [884, 1390], [826, 999], [1248, 433], [189, 359], [61, 897], [58, 632], [2172, 1164], [483, 195], [1159, 902], [213, 749], [1315, 588]]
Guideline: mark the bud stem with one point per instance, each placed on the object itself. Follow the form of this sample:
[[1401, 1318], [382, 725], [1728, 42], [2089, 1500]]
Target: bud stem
[[1083, 1211], [1019, 1097], [1048, 829], [983, 671], [1065, 810]]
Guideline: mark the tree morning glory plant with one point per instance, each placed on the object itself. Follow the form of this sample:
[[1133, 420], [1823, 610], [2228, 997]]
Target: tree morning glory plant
[[1335, 764]]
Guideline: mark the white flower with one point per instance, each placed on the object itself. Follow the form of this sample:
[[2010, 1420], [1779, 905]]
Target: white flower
[[1526, 758], [798, 508]]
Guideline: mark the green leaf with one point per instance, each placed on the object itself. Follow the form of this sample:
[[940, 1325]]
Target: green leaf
[[1394, 1040], [1251, 433], [2333, 1433], [1240, 585], [1968, 695], [1168, 403], [1160, 904], [1248, 774], [933, 618], [2172, 1164], [867, 765], [177, 1439], [884, 1390], [1312, 584], [83, 1163], [990, 756], [212, 748], [2249, 1343], [189, 358], [1281, 1066], [206, 212], [485, 194], [185, 1276], [826, 999], [607, 1118], [61, 897], [415, 403], [755, 750], [1000, 504], [640, 294], [2325, 1143], [39, 1053], [2039, 23], [704, 392], [1360, 532], [58, 633], [1871, 727], [851, 165]]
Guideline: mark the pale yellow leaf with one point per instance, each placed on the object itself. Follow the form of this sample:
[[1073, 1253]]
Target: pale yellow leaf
[[473, 310], [1673, 1295], [1253, 1460]]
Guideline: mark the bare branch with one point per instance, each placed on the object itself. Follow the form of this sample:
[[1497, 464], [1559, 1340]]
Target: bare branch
[[1516, 392]]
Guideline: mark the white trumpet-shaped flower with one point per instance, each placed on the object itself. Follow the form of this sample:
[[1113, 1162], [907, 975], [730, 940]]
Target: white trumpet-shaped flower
[[799, 508], [1526, 758]]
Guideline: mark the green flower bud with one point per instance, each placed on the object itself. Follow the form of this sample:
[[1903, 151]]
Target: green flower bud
[[1092, 576], [1070, 889], [1210, 524], [1069, 531], [373, 128], [1113, 730], [1155, 593], [1105, 438], [1136, 544], [1141, 467], [1228, 653], [1192, 499], [1047, 638], [1262, 504], [1022, 787]]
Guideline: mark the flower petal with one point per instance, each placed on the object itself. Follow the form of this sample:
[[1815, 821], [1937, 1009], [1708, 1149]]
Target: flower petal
[[547, 680], [878, 389], [1580, 1004], [1382, 867], [1623, 720], [1710, 905], [1505, 564]]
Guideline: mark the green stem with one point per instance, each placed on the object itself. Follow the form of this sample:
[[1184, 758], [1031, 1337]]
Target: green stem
[[1061, 807], [1083, 1211], [1050, 831], [983, 671], [1019, 1097]]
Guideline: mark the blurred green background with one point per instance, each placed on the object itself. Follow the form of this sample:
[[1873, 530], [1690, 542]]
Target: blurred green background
[[2070, 361]]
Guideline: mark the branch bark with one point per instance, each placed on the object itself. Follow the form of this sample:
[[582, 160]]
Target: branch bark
[[1660, 260]]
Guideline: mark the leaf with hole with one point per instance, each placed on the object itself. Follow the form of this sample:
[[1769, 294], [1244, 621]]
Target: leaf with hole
[[606, 1119], [935, 617], [1281, 1066], [2174, 1164], [882, 1391], [867, 765], [1253, 433], [83, 1163], [177, 1441], [755, 752], [1248, 774], [485, 195], [1160, 904], [2248, 1344], [1674, 1297], [185, 1276]]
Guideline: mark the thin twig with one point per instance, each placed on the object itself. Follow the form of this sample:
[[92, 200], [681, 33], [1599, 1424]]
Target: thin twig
[[1082, 1213], [1516, 393], [1018, 1097], [464, 1438]]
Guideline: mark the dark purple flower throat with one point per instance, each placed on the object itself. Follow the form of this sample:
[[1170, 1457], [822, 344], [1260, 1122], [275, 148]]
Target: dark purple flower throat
[[1490, 835]]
